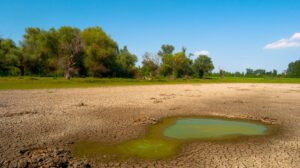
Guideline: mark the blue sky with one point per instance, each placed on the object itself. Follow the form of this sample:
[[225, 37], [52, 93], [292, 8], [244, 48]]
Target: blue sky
[[236, 33]]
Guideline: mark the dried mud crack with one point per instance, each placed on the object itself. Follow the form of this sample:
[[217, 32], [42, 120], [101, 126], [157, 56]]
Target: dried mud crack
[[49, 157], [37, 127]]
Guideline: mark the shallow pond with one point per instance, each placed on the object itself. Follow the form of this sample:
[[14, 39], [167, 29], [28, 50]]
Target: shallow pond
[[192, 128], [164, 139]]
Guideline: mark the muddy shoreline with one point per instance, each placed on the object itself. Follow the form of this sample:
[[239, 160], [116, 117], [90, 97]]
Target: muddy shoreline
[[37, 126]]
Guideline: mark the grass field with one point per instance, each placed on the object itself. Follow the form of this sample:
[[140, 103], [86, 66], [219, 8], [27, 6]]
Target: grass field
[[50, 82]]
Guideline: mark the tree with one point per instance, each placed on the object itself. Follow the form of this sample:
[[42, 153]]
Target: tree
[[126, 61], [16, 59], [150, 64], [11, 56], [166, 49], [71, 47], [53, 49], [203, 64], [249, 72], [260, 72], [166, 67], [3, 68], [37, 51], [222, 73], [166, 55], [181, 64], [238, 74], [294, 69], [100, 49], [6, 47], [274, 73]]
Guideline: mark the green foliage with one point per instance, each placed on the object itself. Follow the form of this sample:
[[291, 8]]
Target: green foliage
[[260, 73], [166, 55], [101, 51], [67, 52], [274, 73], [6, 45], [36, 51], [177, 64], [125, 63], [294, 69], [150, 65], [71, 48], [166, 49], [71, 52], [203, 64], [11, 58], [16, 59], [166, 67], [181, 64]]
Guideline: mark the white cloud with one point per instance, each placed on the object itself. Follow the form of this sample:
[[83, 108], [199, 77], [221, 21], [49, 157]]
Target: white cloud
[[296, 36], [294, 41], [197, 53]]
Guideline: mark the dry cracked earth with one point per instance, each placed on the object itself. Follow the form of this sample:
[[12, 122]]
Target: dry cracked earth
[[37, 126]]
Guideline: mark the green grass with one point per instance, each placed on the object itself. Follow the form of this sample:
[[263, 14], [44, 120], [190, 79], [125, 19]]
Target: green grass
[[50, 82]]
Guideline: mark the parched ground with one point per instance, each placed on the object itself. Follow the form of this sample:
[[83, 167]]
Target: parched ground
[[36, 126]]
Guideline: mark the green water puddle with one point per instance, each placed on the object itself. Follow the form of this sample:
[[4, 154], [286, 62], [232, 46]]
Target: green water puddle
[[211, 128], [165, 138]]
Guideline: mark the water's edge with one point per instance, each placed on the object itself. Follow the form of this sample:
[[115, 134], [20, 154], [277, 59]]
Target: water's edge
[[151, 145]]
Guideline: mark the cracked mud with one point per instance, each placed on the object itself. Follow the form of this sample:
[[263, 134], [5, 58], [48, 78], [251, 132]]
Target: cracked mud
[[38, 126]]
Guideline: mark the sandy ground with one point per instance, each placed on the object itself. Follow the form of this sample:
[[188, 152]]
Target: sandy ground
[[36, 122]]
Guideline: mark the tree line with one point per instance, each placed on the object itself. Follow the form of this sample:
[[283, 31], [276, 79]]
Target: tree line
[[293, 71], [68, 51], [252, 73], [167, 63]]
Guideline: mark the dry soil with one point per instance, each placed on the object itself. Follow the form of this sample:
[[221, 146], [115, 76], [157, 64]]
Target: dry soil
[[37, 126]]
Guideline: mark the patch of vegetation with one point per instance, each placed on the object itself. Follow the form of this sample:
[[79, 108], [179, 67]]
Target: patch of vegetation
[[51, 83]]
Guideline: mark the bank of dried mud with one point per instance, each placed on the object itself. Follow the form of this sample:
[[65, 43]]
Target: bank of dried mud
[[37, 126]]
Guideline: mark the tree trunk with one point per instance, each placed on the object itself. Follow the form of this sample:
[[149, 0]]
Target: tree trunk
[[222, 74], [22, 71], [67, 74], [68, 68], [201, 74]]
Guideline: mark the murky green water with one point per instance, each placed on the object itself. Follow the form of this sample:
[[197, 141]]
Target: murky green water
[[211, 128], [164, 139]]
